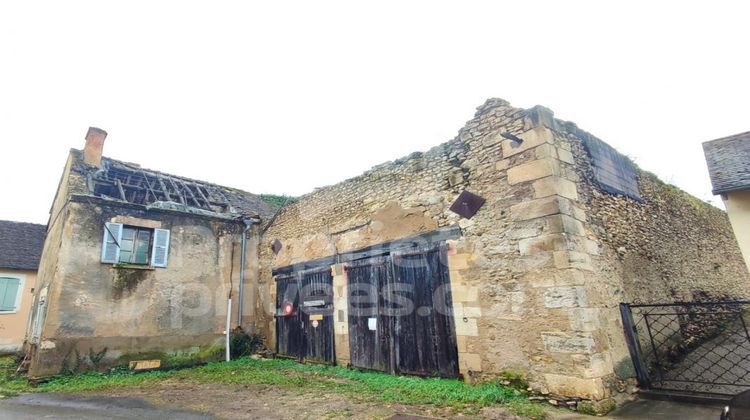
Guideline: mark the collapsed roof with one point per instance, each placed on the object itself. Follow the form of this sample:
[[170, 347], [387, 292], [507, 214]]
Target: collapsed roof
[[128, 182]]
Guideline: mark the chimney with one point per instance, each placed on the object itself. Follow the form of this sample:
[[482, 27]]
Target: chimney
[[92, 152]]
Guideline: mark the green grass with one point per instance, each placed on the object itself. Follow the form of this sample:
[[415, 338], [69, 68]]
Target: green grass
[[358, 385]]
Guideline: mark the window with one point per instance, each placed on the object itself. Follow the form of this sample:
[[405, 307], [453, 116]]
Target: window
[[10, 294], [135, 245]]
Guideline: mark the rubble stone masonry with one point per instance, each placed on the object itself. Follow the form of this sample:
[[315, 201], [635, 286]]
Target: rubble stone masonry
[[538, 272]]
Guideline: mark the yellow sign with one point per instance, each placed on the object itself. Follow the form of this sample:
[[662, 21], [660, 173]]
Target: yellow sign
[[317, 317], [145, 364]]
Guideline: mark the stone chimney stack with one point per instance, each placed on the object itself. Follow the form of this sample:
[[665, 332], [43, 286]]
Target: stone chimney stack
[[92, 152]]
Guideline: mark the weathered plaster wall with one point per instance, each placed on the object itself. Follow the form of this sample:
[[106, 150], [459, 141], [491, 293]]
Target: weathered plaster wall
[[92, 306], [13, 325], [738, 209]]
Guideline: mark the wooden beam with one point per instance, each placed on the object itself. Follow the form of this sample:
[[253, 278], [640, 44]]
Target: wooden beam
[[119, 188], [177, 191]]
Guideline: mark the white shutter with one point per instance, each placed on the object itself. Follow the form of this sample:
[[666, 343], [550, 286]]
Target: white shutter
[[111, 243], [160, 252]]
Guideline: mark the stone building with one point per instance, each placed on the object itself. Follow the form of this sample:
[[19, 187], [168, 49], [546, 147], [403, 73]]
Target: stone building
[[512, 245], [728, 161], [20, 250], [509, 247], [138, 262]]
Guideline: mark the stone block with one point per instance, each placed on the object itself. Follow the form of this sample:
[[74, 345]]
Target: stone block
[[553, 242], [554, 185], [545, 151], [598, 365], [572, 259], [584, 319], [572, 386], [467, 327], [565, 343], [469, 362], [533, 209], [565, 156], [533, 170], [564, 297], [463, 293], [462, 344], [565, 224], [459, 261], [530, 139], [502, 165], [472, 311]]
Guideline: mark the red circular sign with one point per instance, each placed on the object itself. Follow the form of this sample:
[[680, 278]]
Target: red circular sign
[[288, 308]]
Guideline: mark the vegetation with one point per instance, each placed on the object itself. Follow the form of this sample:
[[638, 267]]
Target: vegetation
[[357, 385], [277, 200]]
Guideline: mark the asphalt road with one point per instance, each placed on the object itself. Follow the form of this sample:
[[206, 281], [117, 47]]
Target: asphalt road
[[66, 406]]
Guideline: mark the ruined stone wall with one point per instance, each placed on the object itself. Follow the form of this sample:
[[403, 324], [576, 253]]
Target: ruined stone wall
[[129, 311], [518, 272], [669, 247]]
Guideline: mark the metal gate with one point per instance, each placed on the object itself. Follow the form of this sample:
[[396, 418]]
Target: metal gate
[[400, 318], [304, 315], [694, 348]]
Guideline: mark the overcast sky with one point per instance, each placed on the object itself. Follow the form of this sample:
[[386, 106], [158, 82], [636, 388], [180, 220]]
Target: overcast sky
[[282, 97]]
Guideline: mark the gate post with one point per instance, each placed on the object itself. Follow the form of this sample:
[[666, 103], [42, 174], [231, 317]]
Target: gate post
[[631, 338]]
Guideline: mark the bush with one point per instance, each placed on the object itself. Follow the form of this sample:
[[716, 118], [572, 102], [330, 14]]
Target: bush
[[243, 344]]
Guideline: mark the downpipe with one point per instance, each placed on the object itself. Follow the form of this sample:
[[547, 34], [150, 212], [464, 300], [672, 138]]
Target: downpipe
[[243, 250]]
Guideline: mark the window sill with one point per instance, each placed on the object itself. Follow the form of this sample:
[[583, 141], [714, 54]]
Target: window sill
[[133, 267]]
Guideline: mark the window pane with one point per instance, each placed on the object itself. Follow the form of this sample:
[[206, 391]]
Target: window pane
[[142, 247], [126, 245], [128, 233]]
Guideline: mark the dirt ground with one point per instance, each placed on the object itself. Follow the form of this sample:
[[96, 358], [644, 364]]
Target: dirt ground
[[269, 402]]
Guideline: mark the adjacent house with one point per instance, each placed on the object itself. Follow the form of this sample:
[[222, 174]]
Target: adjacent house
[[138, 262], [509, 247], [20, 250], [728, 161]]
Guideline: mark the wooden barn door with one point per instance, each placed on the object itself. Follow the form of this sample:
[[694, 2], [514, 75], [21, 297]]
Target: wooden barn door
[[316, 314], [370, 345], [304, 315], [400, 318], [289, 335], [425, 338]]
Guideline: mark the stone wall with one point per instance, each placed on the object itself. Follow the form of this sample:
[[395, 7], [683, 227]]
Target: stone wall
[[539, 271], [668, 247], [517, 271]]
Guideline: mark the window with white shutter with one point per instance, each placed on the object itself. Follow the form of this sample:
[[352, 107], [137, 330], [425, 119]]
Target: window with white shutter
[[10, 294], [133, 245]]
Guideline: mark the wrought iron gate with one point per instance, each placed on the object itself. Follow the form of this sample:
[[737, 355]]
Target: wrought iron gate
[[695, 348]]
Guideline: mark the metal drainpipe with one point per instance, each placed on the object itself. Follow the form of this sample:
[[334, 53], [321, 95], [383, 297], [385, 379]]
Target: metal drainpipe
[[243, 248]]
